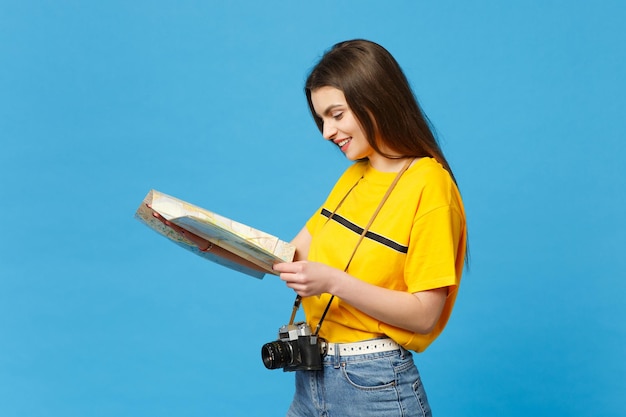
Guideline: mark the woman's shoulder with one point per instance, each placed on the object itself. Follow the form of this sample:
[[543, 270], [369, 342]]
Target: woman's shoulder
[[429, 172], [430, 182]]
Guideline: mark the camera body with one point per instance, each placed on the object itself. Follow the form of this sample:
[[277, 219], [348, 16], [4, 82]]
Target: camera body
[[295, 350]]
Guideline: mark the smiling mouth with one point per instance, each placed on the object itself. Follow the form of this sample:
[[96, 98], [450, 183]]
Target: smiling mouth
[[342, 143]]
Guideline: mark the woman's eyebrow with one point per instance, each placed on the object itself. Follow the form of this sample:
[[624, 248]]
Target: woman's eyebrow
[[330, 108]]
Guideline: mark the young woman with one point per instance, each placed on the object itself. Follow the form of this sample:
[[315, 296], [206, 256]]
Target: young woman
[[395, 293], [379, 264]]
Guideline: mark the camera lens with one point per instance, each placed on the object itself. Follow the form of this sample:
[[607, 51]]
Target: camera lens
[[276, 354]]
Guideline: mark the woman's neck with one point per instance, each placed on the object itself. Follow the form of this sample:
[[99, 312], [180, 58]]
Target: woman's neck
[[384, 164]]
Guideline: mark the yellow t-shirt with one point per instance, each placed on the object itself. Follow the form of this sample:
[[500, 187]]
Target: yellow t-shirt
[[416, 243]]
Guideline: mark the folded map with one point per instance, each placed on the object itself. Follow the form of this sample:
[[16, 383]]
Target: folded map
[[258, 247]]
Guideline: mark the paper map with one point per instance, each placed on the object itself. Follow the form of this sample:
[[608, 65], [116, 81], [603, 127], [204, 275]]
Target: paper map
[[254, 245]]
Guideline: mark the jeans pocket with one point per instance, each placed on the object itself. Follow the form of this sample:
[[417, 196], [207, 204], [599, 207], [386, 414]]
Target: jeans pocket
[[369, 375], [420, 396]]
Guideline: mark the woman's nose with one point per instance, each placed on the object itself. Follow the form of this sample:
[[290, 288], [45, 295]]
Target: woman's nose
[[329, 130]]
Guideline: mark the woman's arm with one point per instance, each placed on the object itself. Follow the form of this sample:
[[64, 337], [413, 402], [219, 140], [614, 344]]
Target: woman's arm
[[418, 312]]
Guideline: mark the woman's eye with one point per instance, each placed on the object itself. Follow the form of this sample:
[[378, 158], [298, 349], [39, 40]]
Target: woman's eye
[[337, 115]]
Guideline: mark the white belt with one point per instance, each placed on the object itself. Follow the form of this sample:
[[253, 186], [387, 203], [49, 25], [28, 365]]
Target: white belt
[[362, 348]]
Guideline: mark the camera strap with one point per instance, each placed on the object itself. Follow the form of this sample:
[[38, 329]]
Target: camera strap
[[363, 233]]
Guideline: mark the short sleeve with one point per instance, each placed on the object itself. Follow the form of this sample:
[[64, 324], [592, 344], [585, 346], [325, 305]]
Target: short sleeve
[[432, 259]]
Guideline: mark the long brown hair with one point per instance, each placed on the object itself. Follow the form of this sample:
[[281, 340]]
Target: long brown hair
[[380, 97]]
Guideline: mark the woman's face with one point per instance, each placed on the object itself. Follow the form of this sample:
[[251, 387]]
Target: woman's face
[[339, 123]]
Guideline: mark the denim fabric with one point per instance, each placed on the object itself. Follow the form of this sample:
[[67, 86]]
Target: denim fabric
[[385, 384]]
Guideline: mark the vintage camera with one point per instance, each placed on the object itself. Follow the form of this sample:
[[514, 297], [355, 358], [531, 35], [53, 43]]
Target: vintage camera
[[295, 350]]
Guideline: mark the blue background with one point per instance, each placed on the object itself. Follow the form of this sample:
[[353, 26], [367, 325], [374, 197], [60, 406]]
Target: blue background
[[102, 101]]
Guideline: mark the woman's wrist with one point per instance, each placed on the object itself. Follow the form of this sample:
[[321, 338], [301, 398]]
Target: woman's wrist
[[338, 281]]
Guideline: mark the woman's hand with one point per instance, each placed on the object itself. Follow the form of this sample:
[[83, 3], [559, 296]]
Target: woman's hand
[[308, 278]]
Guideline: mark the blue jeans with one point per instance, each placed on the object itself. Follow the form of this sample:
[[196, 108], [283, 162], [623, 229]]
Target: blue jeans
[[385, 384]]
